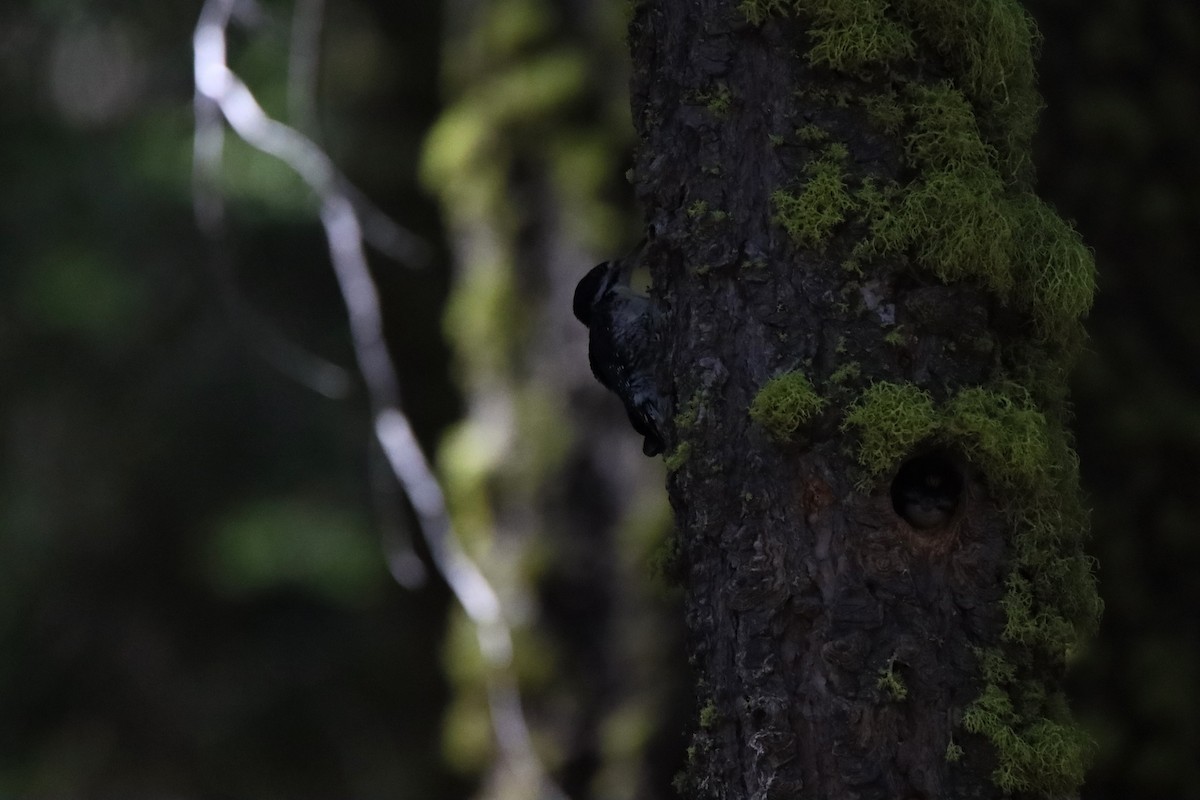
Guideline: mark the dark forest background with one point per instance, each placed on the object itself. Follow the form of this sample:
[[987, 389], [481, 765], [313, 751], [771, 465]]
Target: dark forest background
[[193, 596]]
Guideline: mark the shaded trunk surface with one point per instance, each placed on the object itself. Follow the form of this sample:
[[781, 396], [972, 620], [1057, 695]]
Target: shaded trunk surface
[[844, 647]]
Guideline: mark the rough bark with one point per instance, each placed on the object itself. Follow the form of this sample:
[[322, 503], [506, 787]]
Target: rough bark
[[840, 200]]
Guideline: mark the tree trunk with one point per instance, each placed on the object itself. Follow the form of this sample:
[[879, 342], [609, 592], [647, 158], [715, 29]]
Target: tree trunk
[[867, 321]]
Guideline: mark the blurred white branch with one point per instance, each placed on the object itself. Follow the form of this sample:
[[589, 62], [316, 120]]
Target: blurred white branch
[[284, 354], [220, 92], [304, 59]]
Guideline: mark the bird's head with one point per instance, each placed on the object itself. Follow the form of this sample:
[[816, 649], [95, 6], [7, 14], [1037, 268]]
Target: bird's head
[[589, 290]]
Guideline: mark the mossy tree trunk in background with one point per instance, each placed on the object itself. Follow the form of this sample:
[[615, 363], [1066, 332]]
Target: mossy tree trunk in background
[[863, 301], [543, 477]]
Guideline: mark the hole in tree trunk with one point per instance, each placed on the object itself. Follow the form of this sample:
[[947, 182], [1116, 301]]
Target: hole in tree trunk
[[927, 491]]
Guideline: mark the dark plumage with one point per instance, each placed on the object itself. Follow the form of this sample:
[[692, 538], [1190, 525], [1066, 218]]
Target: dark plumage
[[621, 345]]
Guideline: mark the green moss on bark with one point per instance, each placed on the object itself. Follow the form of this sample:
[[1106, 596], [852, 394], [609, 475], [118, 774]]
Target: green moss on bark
[[1050, 600], [968, 213], [853, 36], [891, 419], [675, 460], [1039, 748], [784, 404], [963, 219], [964, 213], [891, 684], [811, 215]]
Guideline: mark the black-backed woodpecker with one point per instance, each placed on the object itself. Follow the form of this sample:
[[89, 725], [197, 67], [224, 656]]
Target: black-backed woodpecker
[[621, 344]]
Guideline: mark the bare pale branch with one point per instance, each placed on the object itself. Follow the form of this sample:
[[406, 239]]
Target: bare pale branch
[[218, 86]]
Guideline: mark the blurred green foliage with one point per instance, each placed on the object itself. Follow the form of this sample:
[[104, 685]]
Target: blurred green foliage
[[275, 542], [1117, 152], [193, 597]]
